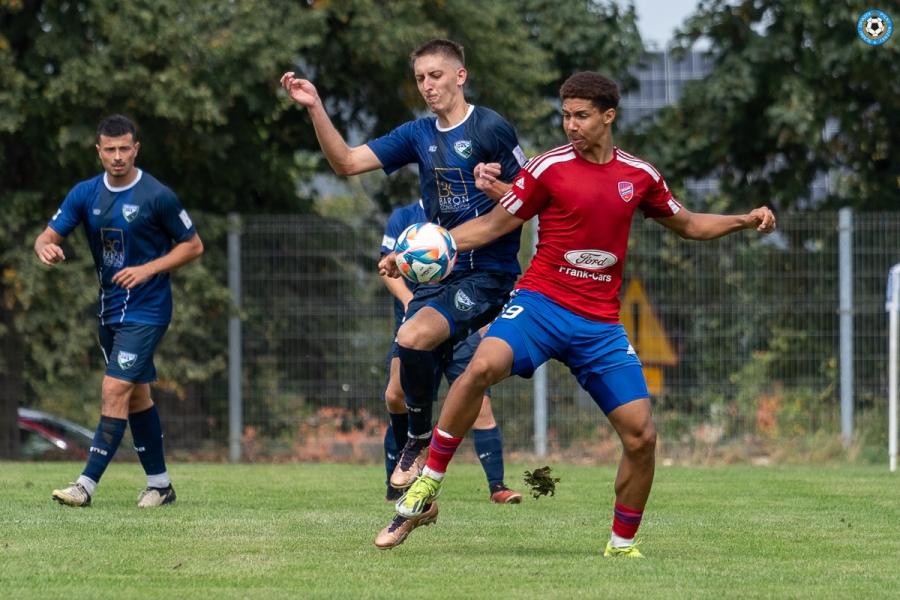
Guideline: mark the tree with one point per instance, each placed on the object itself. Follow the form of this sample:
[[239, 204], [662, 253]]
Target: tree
[[793, 93], [200, 80]]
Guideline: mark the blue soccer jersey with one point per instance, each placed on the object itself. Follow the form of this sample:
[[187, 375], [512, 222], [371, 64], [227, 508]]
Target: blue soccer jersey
[[446, 160], [399, 220], [127, 227]]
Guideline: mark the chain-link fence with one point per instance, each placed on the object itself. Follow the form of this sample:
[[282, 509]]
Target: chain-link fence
[[739, 338]]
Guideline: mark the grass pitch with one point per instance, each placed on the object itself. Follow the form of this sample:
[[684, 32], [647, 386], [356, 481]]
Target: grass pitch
[[306, 531]]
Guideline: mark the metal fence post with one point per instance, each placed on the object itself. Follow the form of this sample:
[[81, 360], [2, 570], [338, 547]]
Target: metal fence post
[[845, 268], [540, 381], [235, 357], [893, 307]]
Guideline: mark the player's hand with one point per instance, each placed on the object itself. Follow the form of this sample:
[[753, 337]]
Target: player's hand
[[51, 254], [387, 267], [762, 219], [486, 175], [301, 91], [131, 277]]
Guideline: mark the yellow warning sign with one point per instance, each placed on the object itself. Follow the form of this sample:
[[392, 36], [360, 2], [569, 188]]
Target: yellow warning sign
[[646, 334]]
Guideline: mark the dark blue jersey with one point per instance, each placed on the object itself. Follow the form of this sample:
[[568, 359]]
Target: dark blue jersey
[[446, 160], [399, 220], [127, 227]]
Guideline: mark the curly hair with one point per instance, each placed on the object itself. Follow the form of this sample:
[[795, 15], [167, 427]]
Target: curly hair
[[601, 90], [116, 126], [447, 48]]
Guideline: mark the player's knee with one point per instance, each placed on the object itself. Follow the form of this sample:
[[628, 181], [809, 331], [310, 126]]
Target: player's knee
[[640, 442], [395, 400], [484, 372]]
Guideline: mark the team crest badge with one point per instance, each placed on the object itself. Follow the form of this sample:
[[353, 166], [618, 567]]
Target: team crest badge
[[462, 301], [126, 360], [130, 212], [626, 190], [463, 148]]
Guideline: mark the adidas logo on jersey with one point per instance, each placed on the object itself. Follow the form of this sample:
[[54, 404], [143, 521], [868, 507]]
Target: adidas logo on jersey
[[520, 183]]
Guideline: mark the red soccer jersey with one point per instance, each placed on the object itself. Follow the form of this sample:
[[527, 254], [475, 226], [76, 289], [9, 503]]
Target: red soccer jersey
[[585, 212]]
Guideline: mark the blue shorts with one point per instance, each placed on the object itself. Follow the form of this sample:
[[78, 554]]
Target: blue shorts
[[598, 354], [128, 350], [450, 367], [469, 300]]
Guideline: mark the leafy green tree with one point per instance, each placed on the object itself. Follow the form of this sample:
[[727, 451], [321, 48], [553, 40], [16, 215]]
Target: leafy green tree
[[783, 70], [200, 81]]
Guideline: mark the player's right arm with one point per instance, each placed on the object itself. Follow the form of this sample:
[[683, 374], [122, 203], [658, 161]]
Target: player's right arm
[[485, 229], [342, 158], [46, 246]]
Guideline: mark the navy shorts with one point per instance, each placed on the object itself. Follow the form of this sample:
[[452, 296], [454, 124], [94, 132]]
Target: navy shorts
[[451, 366], [128, 350], [598, 354], [468, 300]]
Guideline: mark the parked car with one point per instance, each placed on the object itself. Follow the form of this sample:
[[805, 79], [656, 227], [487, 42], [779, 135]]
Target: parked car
[[43, 436]]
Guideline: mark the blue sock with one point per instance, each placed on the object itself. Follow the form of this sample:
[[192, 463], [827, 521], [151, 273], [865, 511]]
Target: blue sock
[[489, 448], [103, 448], [146, 429], [417, 369], [391, 453]]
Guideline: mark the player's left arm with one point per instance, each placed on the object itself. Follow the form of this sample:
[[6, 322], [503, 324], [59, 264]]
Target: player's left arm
[[180, 255], [706, 226]]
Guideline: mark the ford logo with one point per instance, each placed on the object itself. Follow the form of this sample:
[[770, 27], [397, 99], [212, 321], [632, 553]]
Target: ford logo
[[591, 259]]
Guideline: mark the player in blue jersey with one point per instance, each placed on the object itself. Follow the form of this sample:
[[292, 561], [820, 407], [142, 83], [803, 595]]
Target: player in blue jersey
[[447, 148], [131, 221], [485, 432]]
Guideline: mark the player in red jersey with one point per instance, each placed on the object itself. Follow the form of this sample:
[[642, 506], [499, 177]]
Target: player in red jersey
[[566, 306]]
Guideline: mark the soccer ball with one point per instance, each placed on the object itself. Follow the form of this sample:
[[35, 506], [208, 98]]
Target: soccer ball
[[875, 27], [425, 253]]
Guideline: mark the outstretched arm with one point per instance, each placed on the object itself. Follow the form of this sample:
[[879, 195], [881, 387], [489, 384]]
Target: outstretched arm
[[179, 256], [705, 226], [485, 229], [468, 236], [342, 158], [46, 246]]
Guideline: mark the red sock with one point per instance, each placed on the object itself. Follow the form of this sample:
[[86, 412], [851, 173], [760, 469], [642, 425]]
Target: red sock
[[443, 447], [626, 521]]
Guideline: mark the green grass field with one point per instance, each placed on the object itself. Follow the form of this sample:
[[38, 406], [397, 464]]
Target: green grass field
[[306, 531]]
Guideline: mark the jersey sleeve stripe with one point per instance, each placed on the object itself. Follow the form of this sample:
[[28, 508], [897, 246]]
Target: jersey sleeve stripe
[[536, 161], [507, 199], [550, 161], [514, 207], [642, 166], [633, 158]]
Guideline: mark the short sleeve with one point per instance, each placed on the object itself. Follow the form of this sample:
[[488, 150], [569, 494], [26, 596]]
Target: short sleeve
[[396, 149], [173, 218], [395, 226], [657, 201], [508, 152], [526, 198], [71, 213]]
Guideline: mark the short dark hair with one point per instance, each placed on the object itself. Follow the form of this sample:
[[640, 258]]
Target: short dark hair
[[447, 48], [601, 90], [116, 126]]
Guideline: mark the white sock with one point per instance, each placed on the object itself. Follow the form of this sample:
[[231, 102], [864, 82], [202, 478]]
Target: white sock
[[620, 542], [433, 474], [87, 483], [159, 481]]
